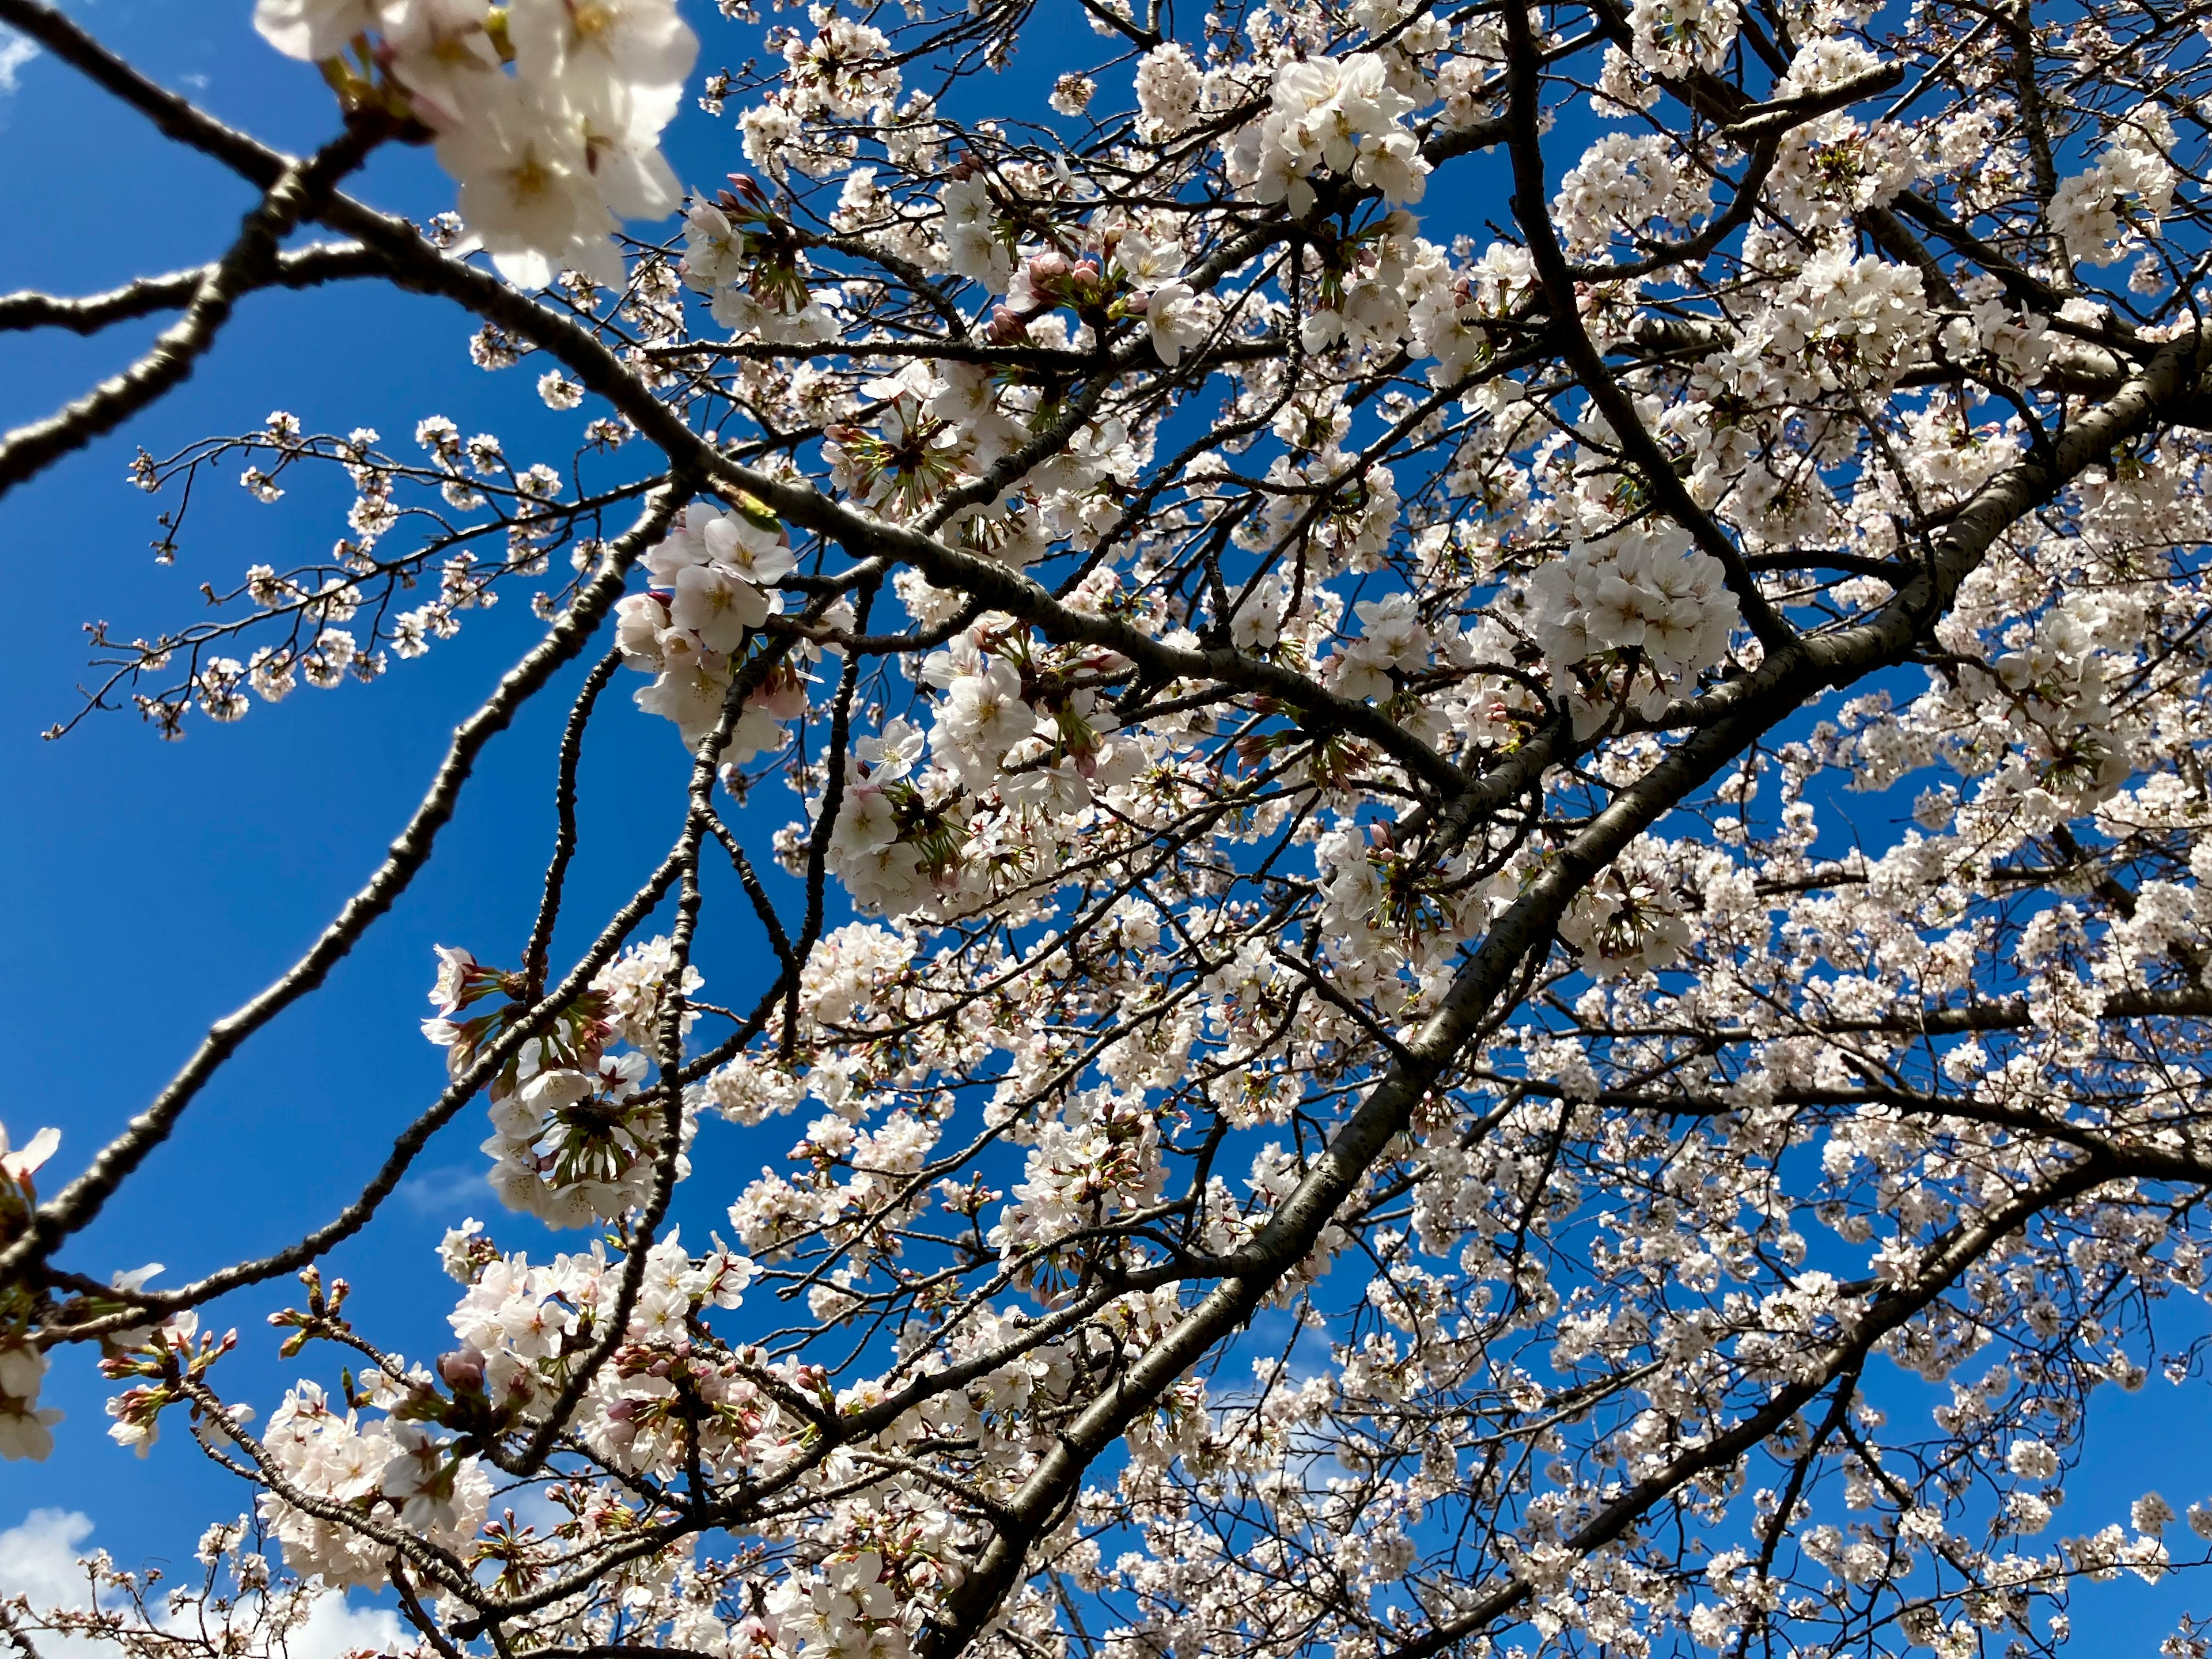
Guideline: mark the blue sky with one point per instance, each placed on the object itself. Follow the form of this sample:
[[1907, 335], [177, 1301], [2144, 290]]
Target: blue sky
[[146, 889]]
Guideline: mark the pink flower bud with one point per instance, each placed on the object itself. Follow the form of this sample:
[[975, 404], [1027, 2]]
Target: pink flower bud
[[462, 1370]]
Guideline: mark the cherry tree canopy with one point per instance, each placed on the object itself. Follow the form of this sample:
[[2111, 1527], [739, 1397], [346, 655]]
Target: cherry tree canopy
[[1266, 651]]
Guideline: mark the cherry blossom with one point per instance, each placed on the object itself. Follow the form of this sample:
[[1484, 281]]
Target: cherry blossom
[[1426, 814]]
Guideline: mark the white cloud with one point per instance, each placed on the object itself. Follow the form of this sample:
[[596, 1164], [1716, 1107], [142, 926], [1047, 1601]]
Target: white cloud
[[336, 1627], [14, 52], [38, 1560]]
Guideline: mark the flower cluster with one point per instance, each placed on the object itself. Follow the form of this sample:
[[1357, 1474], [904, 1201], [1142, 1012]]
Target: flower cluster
[[1621, 184], [1020, 744], [1343, 116], [881, 838], [26, 1426], [324, 1451], [714, 580], [2103, 213], [1643, 598], [1101, 1151], [1169, 87], [548, 158], [575, 1137], [1850, 324], [1675, 38], [2053, 693], [2018, 342], [1392, 641], [1628, 922], [739, 254]]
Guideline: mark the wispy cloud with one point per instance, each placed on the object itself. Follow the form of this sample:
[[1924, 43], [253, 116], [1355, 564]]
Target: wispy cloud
[[446, 1191], [14, 52]]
